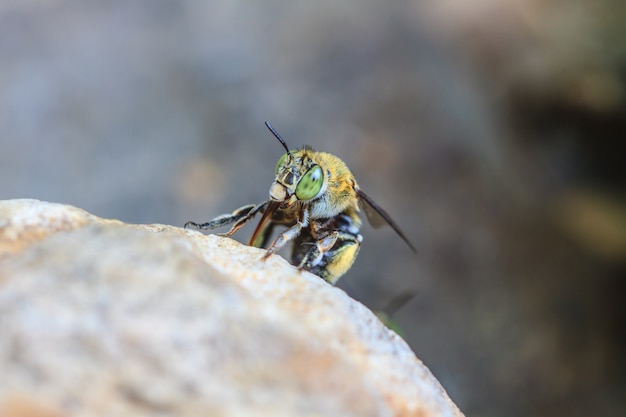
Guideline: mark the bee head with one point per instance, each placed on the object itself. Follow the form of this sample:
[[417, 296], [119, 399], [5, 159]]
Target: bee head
[[298, 176]]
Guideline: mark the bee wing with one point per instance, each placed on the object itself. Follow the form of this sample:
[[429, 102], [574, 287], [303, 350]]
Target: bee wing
[[259, 235], [397, 302], [379, 217]]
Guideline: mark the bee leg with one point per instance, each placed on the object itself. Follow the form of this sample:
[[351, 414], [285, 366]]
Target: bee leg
[[243, 219], [288, 235], [318, 249], [240, 217], [332, 262], [222, 220], [282, 239]]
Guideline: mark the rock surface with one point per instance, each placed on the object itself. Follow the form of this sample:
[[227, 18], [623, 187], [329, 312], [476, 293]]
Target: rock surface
[[99, 318]]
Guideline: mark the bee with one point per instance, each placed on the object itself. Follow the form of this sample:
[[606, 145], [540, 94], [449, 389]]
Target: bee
[[315, 196]]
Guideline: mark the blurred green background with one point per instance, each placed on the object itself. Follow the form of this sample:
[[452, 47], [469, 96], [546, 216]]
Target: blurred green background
[[494, 132]]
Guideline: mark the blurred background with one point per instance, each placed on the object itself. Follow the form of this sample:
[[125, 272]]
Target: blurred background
[[493, 131]]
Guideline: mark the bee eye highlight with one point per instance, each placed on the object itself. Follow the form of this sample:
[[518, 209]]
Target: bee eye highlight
[[281, 162], [310, 184]]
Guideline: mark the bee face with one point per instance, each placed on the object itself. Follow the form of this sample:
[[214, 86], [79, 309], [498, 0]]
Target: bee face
[[299, 177], [315, 196]]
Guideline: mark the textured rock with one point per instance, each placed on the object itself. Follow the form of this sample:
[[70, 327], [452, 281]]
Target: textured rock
[[100, 318]]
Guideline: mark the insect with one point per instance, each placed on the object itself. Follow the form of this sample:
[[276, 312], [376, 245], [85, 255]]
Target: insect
[[315, 196]]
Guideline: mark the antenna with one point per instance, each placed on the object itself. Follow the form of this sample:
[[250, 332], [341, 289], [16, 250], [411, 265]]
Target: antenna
[[280, 139]]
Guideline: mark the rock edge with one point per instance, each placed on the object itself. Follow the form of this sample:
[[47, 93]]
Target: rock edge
[[154, 319]]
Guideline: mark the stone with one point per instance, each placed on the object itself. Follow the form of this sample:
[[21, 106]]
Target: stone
[[99, 317]]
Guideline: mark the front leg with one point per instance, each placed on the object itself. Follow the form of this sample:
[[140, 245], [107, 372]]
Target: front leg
[[240, 217], [289, 234]]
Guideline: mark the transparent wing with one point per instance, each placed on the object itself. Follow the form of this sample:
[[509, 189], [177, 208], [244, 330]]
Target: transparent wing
[[379, 217]]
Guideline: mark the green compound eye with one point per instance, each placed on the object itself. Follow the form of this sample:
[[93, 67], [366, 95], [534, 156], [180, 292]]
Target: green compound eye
[[281, 162], [310, 184]]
